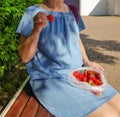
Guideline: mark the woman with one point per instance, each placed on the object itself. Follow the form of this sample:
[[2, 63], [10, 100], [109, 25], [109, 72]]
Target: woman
[[50, 50]]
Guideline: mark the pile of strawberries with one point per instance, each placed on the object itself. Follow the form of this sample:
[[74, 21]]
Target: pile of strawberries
[[90, 76]]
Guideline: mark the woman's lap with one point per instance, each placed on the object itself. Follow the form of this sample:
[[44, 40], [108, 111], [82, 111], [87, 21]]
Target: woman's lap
[[62, 99]]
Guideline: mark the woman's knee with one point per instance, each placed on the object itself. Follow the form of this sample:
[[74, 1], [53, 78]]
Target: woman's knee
[[115, 101], [105, 110]]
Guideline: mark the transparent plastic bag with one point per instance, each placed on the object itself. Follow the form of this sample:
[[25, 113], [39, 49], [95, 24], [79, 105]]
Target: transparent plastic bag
[[97, 89]]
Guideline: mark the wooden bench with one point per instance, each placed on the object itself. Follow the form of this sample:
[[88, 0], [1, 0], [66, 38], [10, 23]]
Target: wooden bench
[[26, 105]]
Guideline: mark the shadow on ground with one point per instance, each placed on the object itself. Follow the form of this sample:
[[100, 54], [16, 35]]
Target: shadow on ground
[[92, 47]]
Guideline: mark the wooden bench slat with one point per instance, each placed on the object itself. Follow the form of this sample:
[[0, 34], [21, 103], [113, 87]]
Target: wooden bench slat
[[18, 105], [30, 108], [26, 105], [42, 112]]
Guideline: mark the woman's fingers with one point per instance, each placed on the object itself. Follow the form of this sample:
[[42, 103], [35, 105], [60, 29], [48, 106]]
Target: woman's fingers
[[40, 21], [96, 66]]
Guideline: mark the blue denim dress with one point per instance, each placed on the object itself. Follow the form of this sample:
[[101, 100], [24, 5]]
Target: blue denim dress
[[58, 53]]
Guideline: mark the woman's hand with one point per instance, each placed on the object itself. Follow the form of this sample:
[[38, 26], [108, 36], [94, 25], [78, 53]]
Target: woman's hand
[[40, 21], [86, 60], [95, 65]]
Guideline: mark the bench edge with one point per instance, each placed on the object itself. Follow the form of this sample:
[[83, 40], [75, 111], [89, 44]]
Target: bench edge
[[14, 98]]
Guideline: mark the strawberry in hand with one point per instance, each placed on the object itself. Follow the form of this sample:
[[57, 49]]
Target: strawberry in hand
[[50, 18]]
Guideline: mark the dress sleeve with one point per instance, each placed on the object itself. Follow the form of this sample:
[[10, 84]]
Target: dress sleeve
[[81, 24], [26, 23]]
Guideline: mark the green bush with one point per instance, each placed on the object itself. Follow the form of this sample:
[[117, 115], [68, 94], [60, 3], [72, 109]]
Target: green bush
[[11, 12]]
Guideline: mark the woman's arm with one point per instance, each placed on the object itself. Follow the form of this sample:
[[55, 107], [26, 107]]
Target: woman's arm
[[28, 45], [86, 60], [84, 55]]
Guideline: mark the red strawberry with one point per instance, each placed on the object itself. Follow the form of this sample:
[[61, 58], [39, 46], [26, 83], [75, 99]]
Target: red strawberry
[[98, 76], [80, 76], [97, 93], [75, 73], [84, 79], [93, 79], [89, 72], [98, 82], [50, 18]]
